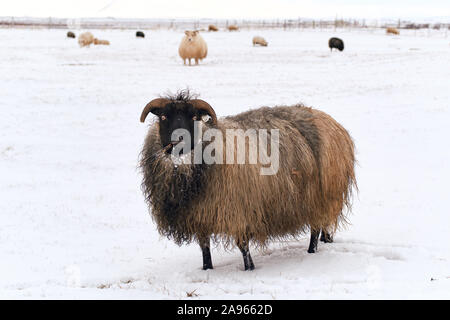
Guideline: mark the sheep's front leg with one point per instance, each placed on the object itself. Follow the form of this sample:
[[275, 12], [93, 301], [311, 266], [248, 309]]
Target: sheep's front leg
[[204, 245], [248, 262], [189, 61], [313, 241], [196, 61]]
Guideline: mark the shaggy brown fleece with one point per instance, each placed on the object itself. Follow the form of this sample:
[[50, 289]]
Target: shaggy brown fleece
[[212, 27], [234, 203], [391, 30]]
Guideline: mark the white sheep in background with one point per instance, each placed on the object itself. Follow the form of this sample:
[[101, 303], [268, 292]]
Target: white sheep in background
[[85, 39], [192, 46], [259, 40], [103, 42]]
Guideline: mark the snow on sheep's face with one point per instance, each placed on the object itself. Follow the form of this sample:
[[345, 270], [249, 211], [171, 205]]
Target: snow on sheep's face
[[191, 35]]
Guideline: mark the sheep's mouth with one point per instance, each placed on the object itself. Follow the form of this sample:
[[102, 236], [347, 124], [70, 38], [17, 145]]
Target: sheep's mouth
[[169, 148]]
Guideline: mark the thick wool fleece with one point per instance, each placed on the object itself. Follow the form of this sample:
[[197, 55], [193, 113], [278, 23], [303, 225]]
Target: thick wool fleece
[[234, 203]]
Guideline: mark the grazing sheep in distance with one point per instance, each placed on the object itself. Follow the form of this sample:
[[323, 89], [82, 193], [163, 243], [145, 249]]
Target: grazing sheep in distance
[[336, 43], [212, 27], [70, 34], [85, 39], [233, 27], [392, 31], [192, 46], [101, 42], [140, 34], [234, 203], [260, 41]]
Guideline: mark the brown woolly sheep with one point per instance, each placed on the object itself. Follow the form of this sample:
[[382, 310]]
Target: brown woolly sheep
[[392, 31], [233, 27], [85, 39], [260, 41], [212, 27], [192, 46], [234, 203], [101, 42]]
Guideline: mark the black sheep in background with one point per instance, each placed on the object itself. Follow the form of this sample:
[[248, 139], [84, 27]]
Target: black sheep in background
[[336, 43], [140, 34], [70, 34]]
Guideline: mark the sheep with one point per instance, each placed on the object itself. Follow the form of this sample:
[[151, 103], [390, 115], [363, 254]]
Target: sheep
[[192, 46], [212, 27], [85, 39], [260, 41], [70, 34], [233, 27], [234, 204], [336, 43], [140, 34], [101, 42], [391, 30]]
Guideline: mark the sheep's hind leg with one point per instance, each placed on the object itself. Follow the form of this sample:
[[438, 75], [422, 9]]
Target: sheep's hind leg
[[248, 262], [206, 252], [313, 241], [326, 237]]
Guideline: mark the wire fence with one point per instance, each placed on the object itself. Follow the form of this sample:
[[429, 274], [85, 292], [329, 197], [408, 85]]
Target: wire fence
[[203, 24]]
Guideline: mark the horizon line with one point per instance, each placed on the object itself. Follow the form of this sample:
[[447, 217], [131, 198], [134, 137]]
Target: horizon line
[[336, 17]]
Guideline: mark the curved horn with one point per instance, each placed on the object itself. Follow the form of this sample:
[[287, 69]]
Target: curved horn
[[154, 104], [204, 106]]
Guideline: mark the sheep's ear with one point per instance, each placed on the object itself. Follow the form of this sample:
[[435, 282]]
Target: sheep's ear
[[204, 108], [186, 32], [196, 32], [155, 106]]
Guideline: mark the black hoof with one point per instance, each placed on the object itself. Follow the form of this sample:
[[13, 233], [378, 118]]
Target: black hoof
[[207, 267], [248, 263], [250, 268], [311, 250]]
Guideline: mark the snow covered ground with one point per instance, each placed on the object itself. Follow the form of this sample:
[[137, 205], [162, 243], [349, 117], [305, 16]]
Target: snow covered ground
[[73, 222]]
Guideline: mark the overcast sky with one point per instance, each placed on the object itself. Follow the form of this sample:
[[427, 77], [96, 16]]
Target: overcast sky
[[226, 8]]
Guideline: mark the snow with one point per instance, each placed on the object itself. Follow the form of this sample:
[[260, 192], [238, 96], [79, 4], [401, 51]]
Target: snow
[[73, 222]]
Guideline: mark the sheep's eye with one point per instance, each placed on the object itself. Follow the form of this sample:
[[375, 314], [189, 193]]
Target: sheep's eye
[[163, 118], [206, 118]]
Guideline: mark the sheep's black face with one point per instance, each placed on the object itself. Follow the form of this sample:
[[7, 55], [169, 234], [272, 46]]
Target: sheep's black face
[[174, 116], [178, 116]]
